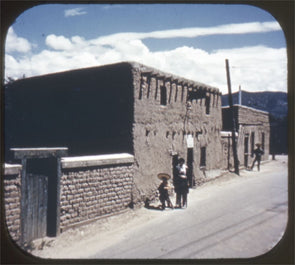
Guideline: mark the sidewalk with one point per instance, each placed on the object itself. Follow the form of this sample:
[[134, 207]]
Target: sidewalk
[[105, 232]]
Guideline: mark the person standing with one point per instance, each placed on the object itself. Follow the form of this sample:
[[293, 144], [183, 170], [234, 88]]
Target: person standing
[[258, 152], [164, 193], [181, 184]]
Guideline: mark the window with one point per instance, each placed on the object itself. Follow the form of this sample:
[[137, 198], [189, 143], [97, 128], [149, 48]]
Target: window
[[176, 92], [207, 104], [262, 140], [163, 96], [203, 157], [252, 141]]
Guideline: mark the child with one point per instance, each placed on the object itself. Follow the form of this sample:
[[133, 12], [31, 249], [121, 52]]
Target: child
[[164, 195]]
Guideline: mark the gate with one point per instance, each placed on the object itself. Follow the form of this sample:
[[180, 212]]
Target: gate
[[35, 216], [40, 191]]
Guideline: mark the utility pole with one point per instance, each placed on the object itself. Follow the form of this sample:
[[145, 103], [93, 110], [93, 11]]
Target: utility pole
[[240, 95], [233, 134]]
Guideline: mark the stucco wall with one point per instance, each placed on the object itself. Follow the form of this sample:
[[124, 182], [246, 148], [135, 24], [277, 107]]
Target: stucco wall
[[91, 107], [161, 130], [12, 199], [94, 186], [252, 124]]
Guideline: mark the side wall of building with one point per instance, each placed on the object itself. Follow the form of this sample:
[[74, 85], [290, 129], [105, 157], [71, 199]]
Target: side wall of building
[[89, 110], [253, 127], [12, 200], [227, 151], [166, 112], [94, 187]]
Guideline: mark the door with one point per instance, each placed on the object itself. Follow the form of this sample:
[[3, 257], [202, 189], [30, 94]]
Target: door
[[35, 214], [174, 164], [246, 151], [39, 203], [190, 170]]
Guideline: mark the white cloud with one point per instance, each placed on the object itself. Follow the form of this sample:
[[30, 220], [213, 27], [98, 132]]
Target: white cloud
[[242, 28], [256, 68], [74, 12], [15, 43], [58, 42]]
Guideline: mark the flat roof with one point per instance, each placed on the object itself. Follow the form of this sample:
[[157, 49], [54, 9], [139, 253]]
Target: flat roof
[[245, 107]]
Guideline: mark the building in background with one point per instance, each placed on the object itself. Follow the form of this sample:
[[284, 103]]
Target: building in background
[[252, 127]]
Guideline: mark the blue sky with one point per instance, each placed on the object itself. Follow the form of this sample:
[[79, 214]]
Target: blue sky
[[189, 40]]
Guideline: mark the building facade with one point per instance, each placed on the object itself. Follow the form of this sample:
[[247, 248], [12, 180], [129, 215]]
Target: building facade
[[252, 127], [174, 117], [120, 108]]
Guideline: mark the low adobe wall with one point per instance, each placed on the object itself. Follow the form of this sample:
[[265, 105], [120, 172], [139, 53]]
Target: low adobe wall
[[93, 187], [12, 199]]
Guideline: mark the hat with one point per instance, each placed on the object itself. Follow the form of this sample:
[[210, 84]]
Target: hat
[[163, 176], [258, 144], [181, 160]]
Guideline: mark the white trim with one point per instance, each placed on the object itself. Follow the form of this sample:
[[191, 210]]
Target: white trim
[[96, 160]]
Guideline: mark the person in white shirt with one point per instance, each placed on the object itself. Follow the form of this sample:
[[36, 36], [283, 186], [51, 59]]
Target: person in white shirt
[[181, 184]]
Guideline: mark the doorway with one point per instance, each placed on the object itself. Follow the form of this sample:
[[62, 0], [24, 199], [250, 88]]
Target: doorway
[[190, 164], [174, 170], [246, 151], [40, 189]]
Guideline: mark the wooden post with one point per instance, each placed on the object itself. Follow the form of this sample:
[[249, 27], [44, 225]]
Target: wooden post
[[23, 203], [230, 100], [240, 95], [59, 173]]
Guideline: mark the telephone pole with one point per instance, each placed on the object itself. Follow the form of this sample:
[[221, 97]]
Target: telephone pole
[[233, 134]]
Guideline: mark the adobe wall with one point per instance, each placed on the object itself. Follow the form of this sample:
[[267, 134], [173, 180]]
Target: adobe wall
[[252, 124], [227, 151], [93, 187], [91, 107], [160, 131], [12, 200]]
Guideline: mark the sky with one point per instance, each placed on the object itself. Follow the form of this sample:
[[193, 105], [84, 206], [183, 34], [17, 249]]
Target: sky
[[187, 40]]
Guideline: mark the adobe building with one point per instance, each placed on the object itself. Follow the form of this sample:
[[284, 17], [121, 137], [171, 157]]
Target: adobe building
[[252, 127], [120, 108]]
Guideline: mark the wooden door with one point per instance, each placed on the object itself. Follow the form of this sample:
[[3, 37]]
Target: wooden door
[[246, 151], [36, 200], [190, 170]]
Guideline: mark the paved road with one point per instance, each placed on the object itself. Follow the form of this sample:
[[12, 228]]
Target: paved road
[[242, 217]]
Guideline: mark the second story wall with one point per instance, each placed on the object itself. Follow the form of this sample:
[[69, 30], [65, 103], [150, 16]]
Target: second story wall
[[88, 110], [167, 110]]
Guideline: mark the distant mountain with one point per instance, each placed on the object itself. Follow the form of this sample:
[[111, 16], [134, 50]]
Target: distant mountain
[[276, 103]]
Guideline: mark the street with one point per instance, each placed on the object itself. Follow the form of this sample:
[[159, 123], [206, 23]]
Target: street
[[231, 217], [243, 217]]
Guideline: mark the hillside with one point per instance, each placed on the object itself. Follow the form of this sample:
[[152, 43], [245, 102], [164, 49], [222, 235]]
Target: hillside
[[275, 103]]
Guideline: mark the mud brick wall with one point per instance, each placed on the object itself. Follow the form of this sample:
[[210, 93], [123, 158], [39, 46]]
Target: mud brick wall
[[255, 124], [93, 187], [12, 199], [227, 150], [252, 124], [168, 109]]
